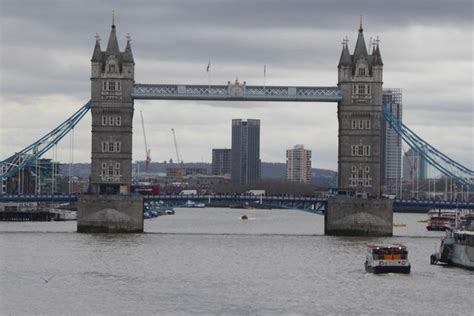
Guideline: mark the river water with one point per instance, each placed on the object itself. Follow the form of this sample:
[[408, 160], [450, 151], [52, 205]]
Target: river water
[[208, 261]]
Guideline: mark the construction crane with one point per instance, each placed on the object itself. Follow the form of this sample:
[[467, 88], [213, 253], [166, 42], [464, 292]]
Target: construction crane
[[179, 171], [147, 150]]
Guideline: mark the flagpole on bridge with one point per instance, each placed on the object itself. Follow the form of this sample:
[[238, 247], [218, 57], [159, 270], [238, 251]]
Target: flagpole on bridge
[[208, 69], [264, 77]]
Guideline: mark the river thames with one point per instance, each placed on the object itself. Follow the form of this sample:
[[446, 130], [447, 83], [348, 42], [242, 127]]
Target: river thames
[[208, 261]]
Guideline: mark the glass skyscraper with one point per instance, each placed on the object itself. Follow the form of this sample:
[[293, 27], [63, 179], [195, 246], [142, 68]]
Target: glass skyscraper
[[391, 149]]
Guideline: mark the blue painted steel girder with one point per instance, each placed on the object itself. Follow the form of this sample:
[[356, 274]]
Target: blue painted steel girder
[[28, 155], [235, 92], [447, 166]]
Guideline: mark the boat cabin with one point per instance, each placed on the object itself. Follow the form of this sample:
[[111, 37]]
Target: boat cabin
[[388, 252], [387, 259]]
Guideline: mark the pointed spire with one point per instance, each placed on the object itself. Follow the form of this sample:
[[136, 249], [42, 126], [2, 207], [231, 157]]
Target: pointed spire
[[112, 46], [345, 59], [97, 54], [360, 49], [376, 54], [128, 55]]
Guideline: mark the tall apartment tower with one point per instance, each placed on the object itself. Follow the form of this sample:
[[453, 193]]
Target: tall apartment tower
[[415, 166], [298, 164], [112, 113], [359, 115], [221, 161], [391, 150], [245, 151]]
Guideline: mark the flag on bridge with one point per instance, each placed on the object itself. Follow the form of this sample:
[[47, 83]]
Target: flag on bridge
[[208, 66]]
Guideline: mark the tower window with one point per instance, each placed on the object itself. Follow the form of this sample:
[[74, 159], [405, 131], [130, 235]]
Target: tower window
[[366, 149], [112, 85], [110, 171], [112, 68], [111, 147], [361, 71], [104, 87], [367, 124], [104, 120], [354, 124], [118, 120], [361, 89]]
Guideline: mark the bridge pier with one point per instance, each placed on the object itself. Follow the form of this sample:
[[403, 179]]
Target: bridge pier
[[110, 214], [350, 216]]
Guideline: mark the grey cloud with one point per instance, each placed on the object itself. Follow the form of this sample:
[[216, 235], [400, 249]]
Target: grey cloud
[[46, 47]]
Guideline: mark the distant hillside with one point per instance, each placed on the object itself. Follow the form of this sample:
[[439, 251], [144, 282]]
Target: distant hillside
[[319, 177], [270, 171]]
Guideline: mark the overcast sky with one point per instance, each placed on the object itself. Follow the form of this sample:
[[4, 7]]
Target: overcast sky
[[46, 47]]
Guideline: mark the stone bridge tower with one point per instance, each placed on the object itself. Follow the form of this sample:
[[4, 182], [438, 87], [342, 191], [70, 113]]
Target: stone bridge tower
[[112, 113], [359, 115], [109, 208]]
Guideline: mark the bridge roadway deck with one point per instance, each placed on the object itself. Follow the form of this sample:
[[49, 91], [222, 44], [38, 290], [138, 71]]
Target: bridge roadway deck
[[64, 198], [235, 92]]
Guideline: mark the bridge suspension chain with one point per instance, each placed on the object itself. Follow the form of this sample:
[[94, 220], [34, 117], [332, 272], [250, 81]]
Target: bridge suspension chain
[[447, 166], [29, 154]]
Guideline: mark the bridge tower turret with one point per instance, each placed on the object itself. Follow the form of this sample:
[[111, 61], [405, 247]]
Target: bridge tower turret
[[112, 108], [359, 116]]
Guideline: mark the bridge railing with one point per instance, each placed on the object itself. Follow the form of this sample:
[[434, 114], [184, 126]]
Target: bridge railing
[[244, 198]]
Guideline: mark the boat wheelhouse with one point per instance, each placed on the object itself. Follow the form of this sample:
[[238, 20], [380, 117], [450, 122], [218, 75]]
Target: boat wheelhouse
[[387, 259]]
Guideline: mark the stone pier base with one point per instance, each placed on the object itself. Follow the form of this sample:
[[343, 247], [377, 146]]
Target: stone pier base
[[110, 214], [348, 216]]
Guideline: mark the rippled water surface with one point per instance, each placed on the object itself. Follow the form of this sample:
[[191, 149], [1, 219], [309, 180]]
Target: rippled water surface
[[208, 261]]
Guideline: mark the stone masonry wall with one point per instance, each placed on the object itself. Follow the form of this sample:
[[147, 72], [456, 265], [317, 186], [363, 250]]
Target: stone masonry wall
[[110, 214], [359, 217]]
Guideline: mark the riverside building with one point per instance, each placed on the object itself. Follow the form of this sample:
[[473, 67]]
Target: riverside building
[[298, 164], [221, 161]]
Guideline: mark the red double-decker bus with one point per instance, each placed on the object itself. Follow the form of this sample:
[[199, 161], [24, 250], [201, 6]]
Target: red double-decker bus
[[146, 189]]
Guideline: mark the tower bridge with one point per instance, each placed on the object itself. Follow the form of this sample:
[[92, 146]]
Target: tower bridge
[[358, 95]]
